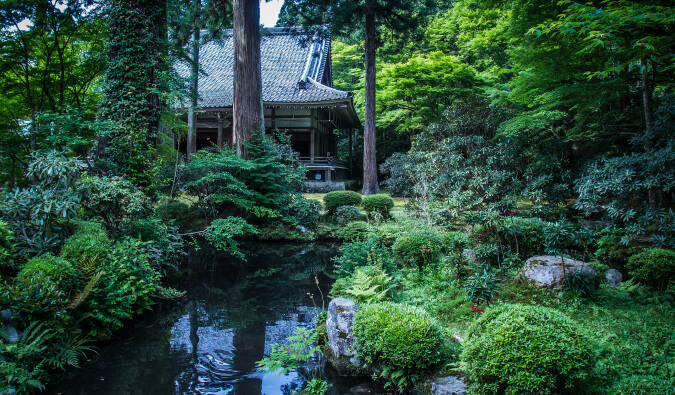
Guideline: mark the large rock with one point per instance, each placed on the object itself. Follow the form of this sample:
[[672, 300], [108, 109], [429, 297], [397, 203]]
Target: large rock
[[613, 278], [449, 385], [547, 270], [339, 325]]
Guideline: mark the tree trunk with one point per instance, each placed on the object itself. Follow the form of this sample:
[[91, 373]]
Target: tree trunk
[[649, 123], [248, 112], [370, 185], [194, 95]]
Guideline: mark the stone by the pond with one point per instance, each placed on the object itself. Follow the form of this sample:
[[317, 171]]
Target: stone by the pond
[[449, 385], [365, 389], [547, 270], [339, 325], [613, 278]]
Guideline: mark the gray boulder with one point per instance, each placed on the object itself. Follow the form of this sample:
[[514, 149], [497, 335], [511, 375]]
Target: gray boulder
[[339, 325], [449, 385], [549, 271], [613, 278]]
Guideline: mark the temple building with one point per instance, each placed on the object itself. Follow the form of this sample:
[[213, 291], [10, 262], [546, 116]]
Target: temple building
[[298, 98]]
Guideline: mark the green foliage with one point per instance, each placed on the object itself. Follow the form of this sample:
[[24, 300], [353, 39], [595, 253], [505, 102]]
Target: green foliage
[[176, 211], [333, 200], [357, 230], [221, 234], [397, 181], [530, 349], [305, 211], [653, 266], [6, 245], [398, 342], [115, 200], [37, 214], [128, 282], [419, 248], [164, 238], [361, 253], [480, 287], [35, 297], [524, 236], [366, 285], [454, 242], [55, 269], [645, 385], [378, 203], [346, 214], [88, 247]]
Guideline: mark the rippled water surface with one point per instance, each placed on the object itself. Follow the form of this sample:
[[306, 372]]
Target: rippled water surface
[[210, 343]]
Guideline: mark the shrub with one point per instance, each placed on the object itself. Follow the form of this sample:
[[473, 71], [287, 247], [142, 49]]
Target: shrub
[[644, 385], [527, 349], [6, 244], [58, 270], [126, 287], [177, 211], [361, 253], [419, 248], [378, 203], [306, 212], [346, 214], [357, 230], [653, 266], [88, 247], [335, 199], [402, 343], [397, 168], [164, 238], [34, 297], [454, 242], [525, 236]]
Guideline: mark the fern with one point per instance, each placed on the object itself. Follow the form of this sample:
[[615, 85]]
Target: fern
[[79, 298], [369, 284]]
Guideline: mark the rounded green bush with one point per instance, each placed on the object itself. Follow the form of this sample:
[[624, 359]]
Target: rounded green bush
[[335, 199], [346, 214], [420, 247], [527, 350], [55, 269], [357, 230], [454, 242], [653, 266], [643, 385], [88, 247], [378, 203], [401, 342]]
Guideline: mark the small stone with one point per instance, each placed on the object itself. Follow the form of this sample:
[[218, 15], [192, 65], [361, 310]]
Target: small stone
[[613, 278], [449, 385], [365, 389], [12, 334], [339, 325]]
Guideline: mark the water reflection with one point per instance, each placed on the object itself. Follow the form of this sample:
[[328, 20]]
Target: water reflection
[[210, 344]]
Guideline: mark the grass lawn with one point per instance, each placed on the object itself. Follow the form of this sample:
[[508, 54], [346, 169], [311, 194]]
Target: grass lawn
[[398, 202]]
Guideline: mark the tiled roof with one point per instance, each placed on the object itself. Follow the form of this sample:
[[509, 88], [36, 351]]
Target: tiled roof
[[290, 71]]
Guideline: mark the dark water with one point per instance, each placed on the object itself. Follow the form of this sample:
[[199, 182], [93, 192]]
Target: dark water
[[210, 343]]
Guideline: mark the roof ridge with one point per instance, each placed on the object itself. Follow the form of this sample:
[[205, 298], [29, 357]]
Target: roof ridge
[[326, 88]]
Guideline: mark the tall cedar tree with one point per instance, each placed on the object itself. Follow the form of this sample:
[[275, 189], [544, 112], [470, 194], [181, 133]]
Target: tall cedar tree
[[343, 18], [135, 79], [248, 110]]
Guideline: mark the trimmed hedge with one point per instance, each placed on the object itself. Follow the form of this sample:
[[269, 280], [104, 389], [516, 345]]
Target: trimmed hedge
[[335, 199], [653, 266], [402, 343], [527, 350], [378, 203]]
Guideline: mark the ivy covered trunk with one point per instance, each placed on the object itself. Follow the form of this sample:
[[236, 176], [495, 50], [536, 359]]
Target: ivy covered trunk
[[370, 185], [194, 95], [248, 111], [135, 78]]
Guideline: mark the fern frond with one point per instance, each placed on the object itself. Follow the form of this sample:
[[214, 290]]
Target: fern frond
[[79, 298]]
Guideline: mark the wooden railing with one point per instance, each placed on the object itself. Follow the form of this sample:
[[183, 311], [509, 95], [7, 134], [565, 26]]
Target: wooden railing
[[321, 160]]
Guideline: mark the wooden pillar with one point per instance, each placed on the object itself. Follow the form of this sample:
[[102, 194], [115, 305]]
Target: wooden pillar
[[311, 145], [220, 132]]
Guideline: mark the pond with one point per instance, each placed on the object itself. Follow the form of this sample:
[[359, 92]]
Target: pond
[[210, 343]]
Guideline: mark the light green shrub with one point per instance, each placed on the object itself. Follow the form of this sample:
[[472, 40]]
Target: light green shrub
[[643, 385], [177, 211], [335, 199], [653, 266], [400, 342], [88, 247], [378, 203], [528, 350], [56, 269], [419, 248], [361, 253], [346, 214], [357, 230], [454, 242], [367, 284]]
